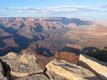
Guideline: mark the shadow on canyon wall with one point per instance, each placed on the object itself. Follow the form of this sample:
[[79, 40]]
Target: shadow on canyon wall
[[99, 54], [21, 41]]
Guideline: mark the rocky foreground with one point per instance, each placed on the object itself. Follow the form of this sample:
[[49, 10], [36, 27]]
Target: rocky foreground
[[26, 67]]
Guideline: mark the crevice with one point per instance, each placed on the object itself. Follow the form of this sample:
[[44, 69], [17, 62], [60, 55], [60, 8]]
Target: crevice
[[46, 74], [6, 70], [14, 77]]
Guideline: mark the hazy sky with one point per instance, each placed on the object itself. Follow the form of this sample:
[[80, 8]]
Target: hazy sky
[[89, 9]]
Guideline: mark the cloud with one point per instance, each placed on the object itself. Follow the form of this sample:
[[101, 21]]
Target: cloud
[[56, 9], [103, 5], [43, 10]]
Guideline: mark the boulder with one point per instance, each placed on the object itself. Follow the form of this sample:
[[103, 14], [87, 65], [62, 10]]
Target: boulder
[[68, 71], [22, 65]]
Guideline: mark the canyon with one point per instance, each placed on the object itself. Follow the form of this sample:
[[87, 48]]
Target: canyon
[[52, 48]]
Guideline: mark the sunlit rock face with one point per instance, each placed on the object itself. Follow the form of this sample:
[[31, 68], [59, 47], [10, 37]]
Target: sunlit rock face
[[68, 71], [22, 65], [69, 53], [26, 66], [99, 68]]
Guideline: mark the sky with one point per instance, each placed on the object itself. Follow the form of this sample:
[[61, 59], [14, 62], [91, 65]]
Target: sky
[[86, 9]]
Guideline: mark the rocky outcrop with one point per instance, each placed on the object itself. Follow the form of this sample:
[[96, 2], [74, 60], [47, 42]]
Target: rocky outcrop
[[96, 66], [69, 53], [22, 65], [68, 71], [26, 67], [67, 56]]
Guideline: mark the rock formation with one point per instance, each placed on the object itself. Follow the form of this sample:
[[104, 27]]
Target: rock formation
[[96, 66], [22, 65], [26, 67], [69, 71]]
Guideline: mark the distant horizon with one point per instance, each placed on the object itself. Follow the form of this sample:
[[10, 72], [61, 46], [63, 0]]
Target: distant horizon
[[54, 17]]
